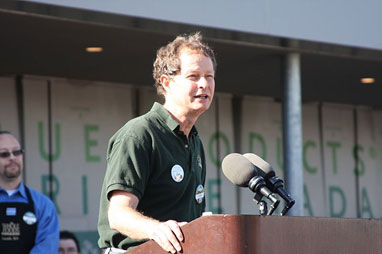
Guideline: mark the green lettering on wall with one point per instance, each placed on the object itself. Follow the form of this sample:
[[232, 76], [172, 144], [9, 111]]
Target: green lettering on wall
[[334, 145], [279, 150], [307, 167], [307, 203], [365, 205], [335, 190], [211, 145], [254, 136], [45, 183], [43, 153], [360, 164], [214, 196], [85, 206], [90, 143]]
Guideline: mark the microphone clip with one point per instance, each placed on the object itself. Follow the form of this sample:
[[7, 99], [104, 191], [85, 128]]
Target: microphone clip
[[261, 204], [257, 185]]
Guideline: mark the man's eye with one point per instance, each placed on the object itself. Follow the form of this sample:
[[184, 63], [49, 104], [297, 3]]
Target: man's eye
[[192, 76]]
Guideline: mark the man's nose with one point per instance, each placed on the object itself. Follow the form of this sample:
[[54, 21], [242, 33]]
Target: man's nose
[[202, 82]]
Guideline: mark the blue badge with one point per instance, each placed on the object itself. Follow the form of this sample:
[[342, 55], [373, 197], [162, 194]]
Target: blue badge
[[29, 218], [11, 211], [177, 173]]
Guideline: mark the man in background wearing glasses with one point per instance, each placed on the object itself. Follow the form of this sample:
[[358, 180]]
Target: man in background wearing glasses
[[29, 222]]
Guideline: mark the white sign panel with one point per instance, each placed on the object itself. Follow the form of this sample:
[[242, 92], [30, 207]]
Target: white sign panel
[[261, 134], [314, 192], [338, 144], [70, 168], [367, 164]]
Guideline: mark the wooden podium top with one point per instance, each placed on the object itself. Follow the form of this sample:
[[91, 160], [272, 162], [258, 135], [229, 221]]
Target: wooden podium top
[[252, 234]]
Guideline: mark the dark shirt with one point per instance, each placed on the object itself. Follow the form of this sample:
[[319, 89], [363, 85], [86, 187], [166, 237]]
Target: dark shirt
[[152, 159]]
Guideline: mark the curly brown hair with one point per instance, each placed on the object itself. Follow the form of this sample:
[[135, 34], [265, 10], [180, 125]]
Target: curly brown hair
[[167, 59]]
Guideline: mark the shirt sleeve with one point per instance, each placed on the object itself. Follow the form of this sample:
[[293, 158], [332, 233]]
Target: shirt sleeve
[[129, 166], [48, 228]]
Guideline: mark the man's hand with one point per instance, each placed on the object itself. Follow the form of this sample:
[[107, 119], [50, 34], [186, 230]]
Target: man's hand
[[124, 218], [168, 235]]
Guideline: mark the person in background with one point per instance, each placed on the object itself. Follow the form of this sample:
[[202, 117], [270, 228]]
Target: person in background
[[29, 221], [156, 168], [68, 243]]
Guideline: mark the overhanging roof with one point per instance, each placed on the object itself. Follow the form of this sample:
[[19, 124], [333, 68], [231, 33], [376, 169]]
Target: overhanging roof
[[50, 40]]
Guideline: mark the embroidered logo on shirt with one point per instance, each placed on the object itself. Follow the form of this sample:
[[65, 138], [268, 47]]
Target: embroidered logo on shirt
[[11, 211], [199, 160], [199, 194], [177, 173], [29, 218]]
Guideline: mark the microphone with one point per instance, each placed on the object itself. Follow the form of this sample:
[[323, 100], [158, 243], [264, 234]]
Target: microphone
[[274, 183], [240, 171]]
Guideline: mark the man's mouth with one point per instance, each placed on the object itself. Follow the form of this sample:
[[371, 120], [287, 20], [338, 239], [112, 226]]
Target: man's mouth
[[202, 96], [12, 165]]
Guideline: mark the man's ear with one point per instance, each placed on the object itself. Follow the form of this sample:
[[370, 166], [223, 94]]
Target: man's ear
[[165, 81]]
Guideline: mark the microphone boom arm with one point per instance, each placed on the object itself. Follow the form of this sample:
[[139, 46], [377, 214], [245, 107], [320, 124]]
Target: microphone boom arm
[[278, 187], [257, 185]]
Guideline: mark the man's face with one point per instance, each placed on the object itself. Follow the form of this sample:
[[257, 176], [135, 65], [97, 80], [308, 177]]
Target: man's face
[[11, 166], [67, 246], [192, 90]]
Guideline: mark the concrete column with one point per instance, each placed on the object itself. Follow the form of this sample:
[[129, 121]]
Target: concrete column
[[292, 131]]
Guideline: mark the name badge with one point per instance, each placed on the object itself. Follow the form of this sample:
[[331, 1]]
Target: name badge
[[11, 211]]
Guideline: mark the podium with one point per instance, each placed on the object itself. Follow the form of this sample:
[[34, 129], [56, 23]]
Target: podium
[[252, 234]]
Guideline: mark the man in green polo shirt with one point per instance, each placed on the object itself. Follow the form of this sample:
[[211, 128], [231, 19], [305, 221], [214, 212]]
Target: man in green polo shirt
[[154, 182]]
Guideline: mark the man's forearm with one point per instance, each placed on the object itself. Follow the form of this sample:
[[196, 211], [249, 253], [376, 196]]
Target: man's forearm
[[124, 218], [131, 223]]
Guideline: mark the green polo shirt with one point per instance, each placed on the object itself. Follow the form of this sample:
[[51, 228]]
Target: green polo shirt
[[152, 159]]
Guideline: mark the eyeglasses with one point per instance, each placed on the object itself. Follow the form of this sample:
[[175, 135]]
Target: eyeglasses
[[8, 154]]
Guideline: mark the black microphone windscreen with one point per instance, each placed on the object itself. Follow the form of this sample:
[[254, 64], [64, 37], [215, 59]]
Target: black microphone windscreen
[[238, 169], [260, 163]]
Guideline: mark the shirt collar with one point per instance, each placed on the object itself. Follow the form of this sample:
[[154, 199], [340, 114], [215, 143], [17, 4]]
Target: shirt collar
[[20, 189], [168, 119], [165, 116]]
